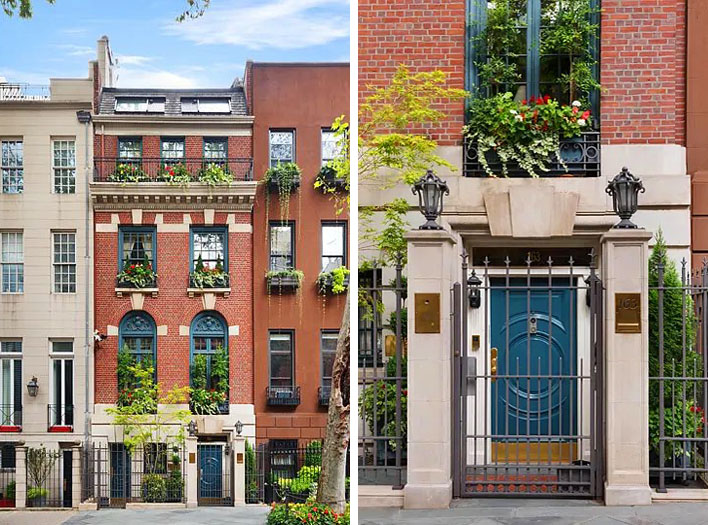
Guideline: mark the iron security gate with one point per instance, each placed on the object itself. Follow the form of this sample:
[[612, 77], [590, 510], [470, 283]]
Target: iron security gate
[[527, 343], [678, 374], [214, 487]]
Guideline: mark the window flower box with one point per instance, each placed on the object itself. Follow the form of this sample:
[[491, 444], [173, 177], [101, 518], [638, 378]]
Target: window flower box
[[335, 282], [283, 280], [327, 181]]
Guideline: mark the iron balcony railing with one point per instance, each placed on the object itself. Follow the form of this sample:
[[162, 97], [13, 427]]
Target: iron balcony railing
[[175, 171], [10, 415], [20, 91], [60, 416], [283, 395], [581, 156]]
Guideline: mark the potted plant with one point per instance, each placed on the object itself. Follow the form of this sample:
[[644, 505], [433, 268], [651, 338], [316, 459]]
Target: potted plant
[[203, 277], [284, 280], [215, 173], [137, 275], [128, 172], [174, 174], [334, 282]]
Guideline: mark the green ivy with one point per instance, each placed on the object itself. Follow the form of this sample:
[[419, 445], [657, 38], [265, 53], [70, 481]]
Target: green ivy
[[285, 177], [334, 281], [214, 174]]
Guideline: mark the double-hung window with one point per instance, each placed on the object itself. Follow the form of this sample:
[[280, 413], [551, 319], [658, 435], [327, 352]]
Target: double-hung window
[[216, 150], [172, 150], [210, 245], [281, 146], [330, 146], [12, 262], [130, 150], [333, 245], [12, 166], [282, 246], [61, 409], [328, 349], [64, 262], [64, 166], [137, 245], [281, 360], [11, 383]]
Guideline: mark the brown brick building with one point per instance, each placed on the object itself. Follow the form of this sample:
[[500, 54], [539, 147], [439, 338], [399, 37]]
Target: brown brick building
[[295, 332]]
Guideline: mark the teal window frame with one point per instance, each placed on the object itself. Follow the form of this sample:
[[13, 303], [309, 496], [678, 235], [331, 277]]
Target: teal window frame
[[223, 230], [172, 160], [132, 230], [139, 332], [209, 331]]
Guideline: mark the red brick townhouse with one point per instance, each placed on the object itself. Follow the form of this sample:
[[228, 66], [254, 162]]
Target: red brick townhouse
[[296, 229], [626, 64], [172, 197]]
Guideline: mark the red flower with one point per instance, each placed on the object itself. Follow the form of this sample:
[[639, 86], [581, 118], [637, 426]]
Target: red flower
[[547, 99], [309, 516], [575, 110], [524, 102], [585, 115], [692, 408]]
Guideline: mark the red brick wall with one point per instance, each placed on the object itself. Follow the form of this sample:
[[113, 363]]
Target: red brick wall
[[642, 61], [172, 306], [643, 68]]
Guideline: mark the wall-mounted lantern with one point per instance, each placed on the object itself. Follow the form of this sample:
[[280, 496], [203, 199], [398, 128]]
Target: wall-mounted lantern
[[33, 387], [474, 293], [430, 190], [239, 427], [192, 428], [624, 189]]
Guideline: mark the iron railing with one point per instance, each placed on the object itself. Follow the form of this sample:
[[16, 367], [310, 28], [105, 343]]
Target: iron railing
[[528, 382], [215, 475], [175, 171], [8, 484], [10, 415], [21, 91], [283, 395], [382, 383], [678, 376], [113, 476], [59, 416], [323, 394], [581, 156], [47, 483]]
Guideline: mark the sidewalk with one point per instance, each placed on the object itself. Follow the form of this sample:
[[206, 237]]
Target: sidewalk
[[541, 512]]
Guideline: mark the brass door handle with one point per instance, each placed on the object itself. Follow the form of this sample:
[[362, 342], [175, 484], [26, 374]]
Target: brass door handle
[[493, 363]]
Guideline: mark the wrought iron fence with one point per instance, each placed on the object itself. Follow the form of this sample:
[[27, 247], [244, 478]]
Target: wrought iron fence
[[678, 375], [382, 395], [215, 474], [21, 91], [283, 471], [112, 475], [178, 171], [59, 416], [581, 156], [47, 485], [11, 415], [7, 475], [283, 395]]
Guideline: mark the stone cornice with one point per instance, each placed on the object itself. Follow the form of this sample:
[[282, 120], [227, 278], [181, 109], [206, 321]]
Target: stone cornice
[[238, 196]]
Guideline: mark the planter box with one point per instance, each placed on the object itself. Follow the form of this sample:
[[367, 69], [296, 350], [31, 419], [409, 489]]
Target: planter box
[[330, 181], [282, 284], [273, 186], [7, 503], [325, 284]]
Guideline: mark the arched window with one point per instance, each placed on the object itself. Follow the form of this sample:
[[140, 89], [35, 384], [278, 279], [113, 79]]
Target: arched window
[[208, 333], [137, 336]]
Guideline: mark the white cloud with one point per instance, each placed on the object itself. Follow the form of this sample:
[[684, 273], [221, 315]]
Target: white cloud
[[135, 77], [76, 51], [280, 24], [136, 60]]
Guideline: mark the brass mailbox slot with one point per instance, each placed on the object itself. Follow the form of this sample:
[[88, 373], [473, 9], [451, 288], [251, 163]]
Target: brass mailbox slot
[[628, 313], [427, 313]]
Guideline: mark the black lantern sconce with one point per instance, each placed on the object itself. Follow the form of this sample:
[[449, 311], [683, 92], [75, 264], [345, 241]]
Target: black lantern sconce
[[474, 293], [239, 427], [33, 387], [624, 189], [192, 428], [430, 190]]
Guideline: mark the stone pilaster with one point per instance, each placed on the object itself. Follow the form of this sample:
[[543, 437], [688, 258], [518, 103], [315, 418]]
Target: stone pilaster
[[238, 446], [20, 476], [432, 265], [76, 476], [625, 270], [192, 471]]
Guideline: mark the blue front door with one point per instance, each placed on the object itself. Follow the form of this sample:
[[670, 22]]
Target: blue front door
[[120, 471], [534, 396], [210, 472]]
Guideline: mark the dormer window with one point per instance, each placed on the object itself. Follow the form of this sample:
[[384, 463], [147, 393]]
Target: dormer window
[[140, 105], [206, 105]]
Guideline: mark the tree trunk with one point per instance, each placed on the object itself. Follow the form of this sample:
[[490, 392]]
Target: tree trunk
[[330, 490]]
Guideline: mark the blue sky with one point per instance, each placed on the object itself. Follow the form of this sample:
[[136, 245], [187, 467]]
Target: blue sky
[[155, 51]]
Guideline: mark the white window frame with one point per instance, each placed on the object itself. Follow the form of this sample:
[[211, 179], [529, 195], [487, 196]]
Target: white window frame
[[13, 357], [21, 263], [64, 172], [342, 227], [17, 169], [63, 264], [60, 357], [288, 131], [327, 132]]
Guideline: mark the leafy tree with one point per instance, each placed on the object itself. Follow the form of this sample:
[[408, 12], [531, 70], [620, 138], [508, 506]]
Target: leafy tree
[[23, 7]]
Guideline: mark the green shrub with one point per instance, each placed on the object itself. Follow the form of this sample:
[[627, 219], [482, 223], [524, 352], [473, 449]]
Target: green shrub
[[37, 492], [154, 488], [251, 475], [10, 490], [313, 454], [174, 486], [310, 513]]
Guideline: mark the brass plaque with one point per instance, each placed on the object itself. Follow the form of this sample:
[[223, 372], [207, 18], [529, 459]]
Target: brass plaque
[[192, 457], [427, 313], [390, 345], [628, 313], [239, 458]]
